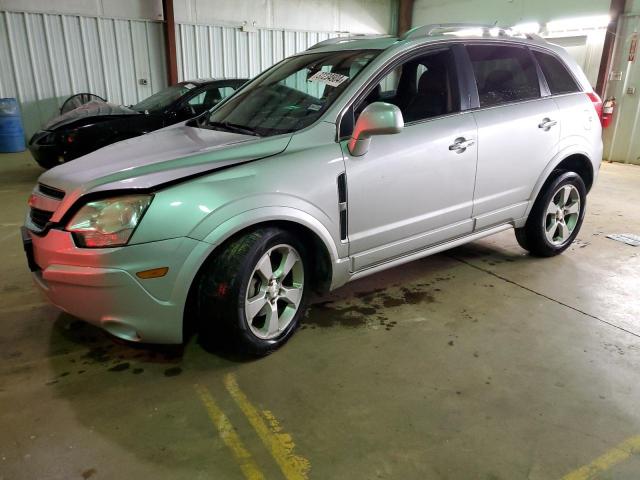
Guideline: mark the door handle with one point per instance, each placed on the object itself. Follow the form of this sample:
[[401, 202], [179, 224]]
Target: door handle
[[546, 124], [461, 144]]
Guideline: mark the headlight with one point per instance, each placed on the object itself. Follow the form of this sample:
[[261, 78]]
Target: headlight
[[109, 222]]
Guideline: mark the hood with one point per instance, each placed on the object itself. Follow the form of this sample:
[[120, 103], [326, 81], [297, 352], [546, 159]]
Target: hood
[[91, 109], [156, 158]]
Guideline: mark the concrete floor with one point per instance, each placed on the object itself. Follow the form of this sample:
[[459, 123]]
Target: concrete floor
[[481, 363]]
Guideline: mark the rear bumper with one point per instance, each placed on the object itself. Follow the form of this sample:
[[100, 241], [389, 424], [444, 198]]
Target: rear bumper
[[100, 286]]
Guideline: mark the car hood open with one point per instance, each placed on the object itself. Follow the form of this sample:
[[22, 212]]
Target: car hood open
[[157, 158]]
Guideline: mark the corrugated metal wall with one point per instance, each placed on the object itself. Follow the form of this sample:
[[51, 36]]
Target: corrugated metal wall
[[622, 138], [227, 52], [45, 58]]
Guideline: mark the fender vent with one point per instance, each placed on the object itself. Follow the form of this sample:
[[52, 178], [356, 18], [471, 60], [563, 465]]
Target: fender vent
[[50, 191], [342, 205]]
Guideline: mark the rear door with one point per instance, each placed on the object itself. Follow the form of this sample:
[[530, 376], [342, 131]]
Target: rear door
[[577, 117], [518, 131]]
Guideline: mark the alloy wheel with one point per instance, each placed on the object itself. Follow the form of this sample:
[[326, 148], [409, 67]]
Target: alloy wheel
[[275, 291], [562, 214]]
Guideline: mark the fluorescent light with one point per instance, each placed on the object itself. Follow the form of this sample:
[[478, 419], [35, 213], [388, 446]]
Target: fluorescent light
[[578, 23], [467, 32], [528, 27]]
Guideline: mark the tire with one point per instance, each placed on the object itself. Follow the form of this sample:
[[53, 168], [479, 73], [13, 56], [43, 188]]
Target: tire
[[47, 164], [556, 216], [257, 277]]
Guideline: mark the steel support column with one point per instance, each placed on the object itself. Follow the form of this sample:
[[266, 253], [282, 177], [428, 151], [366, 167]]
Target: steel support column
[[405, 16], [615, 11], [170, 41]]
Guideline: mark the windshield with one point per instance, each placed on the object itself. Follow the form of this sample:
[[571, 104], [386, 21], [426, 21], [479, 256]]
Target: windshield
[[164, 98], [291, 95]]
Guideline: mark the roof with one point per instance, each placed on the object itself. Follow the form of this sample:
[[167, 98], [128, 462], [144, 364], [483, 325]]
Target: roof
[[425, 34], [358, 42]]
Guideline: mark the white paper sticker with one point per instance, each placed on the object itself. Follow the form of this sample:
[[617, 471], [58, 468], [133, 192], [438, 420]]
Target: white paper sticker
[[314, 107], [331, 79], [189, 86]]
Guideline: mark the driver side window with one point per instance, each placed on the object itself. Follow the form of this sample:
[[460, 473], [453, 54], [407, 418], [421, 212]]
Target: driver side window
[[197, 100], [205, 100], [422, 88], [209, 97]]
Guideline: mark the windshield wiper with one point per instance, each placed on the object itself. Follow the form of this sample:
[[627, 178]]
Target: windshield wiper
[[232, 127]]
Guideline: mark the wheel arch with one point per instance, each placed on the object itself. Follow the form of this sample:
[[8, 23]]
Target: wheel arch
[[312, 232], [322, 258], [576, 161], [580, 164]]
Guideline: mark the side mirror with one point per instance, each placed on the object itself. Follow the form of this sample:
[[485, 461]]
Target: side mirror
[[379, 118]]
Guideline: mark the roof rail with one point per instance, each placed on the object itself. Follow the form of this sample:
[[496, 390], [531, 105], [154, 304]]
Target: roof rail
[[441, 28], [350, 38], [535, 37]]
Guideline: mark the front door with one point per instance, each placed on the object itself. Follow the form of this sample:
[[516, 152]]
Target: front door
[[414, 189]]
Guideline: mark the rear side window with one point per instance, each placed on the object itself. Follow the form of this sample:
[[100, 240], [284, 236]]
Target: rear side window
[[503, 74], [558, 78]]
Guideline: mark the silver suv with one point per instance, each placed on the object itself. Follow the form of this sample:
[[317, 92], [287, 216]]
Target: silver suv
[[357, 155]]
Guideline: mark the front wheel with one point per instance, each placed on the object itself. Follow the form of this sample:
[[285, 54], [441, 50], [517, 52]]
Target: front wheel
[[253, 293], [556, 217]]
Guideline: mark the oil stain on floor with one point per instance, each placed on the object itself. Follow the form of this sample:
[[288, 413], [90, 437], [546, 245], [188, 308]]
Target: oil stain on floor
[[370, 309]]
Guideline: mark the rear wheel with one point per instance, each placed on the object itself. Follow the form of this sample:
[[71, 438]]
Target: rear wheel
[[556, 217], [253, 293]]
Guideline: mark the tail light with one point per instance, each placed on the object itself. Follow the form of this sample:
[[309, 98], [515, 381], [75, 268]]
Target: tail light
[[597, 103]]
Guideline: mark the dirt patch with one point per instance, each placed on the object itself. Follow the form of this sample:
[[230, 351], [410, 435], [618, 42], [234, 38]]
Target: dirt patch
[[414, 297], [121, 367], [89, 473], [327, 314], [98, 355], [390, 302]]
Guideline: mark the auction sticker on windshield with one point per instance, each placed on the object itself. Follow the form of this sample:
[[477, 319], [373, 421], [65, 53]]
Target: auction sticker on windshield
[[331, 79]]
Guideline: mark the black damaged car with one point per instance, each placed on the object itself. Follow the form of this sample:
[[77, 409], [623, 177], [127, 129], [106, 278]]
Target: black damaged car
[[97, 124]]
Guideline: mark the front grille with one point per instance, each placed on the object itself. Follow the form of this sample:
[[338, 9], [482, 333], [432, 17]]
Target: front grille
[[50, 191], [40, 218]]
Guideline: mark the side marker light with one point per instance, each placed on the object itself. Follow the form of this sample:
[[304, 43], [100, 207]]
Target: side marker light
[[153, 273]]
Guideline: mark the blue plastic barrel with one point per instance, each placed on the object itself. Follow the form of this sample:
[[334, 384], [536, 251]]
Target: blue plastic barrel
[[11, 131]]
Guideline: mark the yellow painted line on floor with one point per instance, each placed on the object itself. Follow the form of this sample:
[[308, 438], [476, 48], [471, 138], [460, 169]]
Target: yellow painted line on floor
[[229, 436], [279, 443], [616, 455]]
